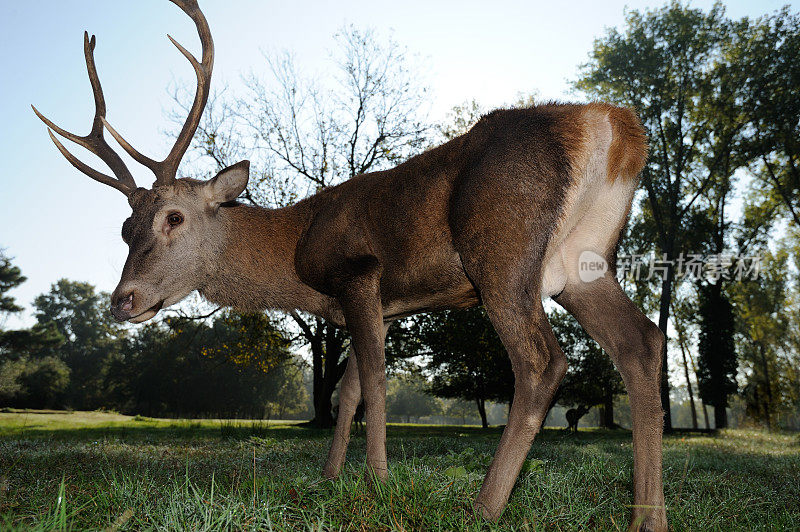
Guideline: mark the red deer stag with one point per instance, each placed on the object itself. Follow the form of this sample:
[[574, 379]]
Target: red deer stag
[[498, 216]]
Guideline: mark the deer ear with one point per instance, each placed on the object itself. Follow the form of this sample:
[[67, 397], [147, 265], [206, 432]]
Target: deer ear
[[228, 184]]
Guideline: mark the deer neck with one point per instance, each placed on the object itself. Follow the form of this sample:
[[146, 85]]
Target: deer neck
[[256, 269]]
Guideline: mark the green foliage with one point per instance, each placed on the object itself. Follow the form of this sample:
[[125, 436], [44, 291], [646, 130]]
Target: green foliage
[[80, 316], [288, 398], [39, 339], [402, 344], [768, 355], [77, 357], [10, 278], [664, 65], [43, 383], [34, 382], [765, 51], [250, 339], [407, 398], [29, 377], [190, 368], [719, 100], [466, 358]]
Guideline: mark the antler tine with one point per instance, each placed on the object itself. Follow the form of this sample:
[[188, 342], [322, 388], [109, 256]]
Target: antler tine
[[166, 170], [94, 141], [88, 170], [203, 69]]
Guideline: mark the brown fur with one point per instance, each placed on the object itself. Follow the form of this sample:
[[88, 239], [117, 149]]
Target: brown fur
[[628, 152], [468, 222], [464, 223], [484, 218]]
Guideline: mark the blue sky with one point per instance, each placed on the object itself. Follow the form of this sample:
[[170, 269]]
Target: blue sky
[[57, 222]]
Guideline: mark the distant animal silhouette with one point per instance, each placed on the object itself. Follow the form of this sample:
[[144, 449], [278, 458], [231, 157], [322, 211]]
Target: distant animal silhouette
[[358, 417], [574, 415]]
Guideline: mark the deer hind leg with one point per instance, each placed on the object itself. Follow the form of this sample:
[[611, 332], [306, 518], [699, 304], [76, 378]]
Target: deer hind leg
[[349, 398], [634, 344], [539, 366], [509, 284]]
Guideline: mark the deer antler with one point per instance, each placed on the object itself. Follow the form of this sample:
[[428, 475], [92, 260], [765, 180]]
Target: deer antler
[[94, 141], [166, 170]]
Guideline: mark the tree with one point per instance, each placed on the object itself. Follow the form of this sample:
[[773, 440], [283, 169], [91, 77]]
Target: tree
[[591, 378], [186, 367], [407, 397], [717, 362], [248, 339], [459, 409], [765, 50], [10, 278], [307, 135], [288, 398], [466, 357], [768, 358], [680, 313], [662, 65], [43, 383], [90, 334], [27, 379]]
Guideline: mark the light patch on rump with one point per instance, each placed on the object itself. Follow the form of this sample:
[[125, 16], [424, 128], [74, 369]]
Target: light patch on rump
[[595, 208]]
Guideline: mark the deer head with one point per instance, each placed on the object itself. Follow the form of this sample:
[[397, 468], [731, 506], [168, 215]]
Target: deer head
[[174, 234]]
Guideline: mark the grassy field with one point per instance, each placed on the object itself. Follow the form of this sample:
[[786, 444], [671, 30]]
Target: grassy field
[[92, 470]]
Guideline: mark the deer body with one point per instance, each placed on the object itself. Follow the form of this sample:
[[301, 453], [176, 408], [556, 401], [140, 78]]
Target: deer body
[[399, 221], [499, 216]]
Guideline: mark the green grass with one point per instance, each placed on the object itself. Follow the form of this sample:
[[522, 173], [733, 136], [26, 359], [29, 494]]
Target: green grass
[[89, 470]]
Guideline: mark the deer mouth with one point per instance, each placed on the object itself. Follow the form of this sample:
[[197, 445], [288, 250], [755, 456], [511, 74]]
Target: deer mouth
[[147, 314]]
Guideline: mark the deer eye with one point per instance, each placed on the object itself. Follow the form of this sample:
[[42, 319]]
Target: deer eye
[[175, 219]]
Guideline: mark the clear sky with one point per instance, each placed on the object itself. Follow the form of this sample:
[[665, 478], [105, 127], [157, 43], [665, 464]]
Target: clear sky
[[57, 222]]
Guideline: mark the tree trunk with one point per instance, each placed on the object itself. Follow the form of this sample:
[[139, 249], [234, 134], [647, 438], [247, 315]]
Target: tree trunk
[[320, 406], [663, 322], [768, 403], [328, 370], [607, 418], [696, 376], [688, 382], [482, 411], [720, 417]]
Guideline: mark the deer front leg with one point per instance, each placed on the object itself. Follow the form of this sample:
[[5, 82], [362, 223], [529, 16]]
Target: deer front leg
[[361, 305]]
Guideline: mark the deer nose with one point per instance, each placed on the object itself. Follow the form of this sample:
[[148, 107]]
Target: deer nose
[[122, 307]]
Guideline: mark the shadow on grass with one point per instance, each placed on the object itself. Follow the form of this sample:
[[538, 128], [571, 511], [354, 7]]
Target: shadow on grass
[[93, 426], [149, 429], [165, 431]]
